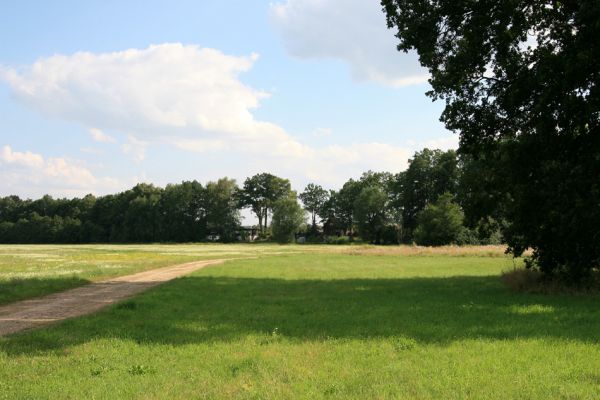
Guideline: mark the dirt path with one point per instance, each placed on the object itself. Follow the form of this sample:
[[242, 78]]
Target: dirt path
[[28, 314]]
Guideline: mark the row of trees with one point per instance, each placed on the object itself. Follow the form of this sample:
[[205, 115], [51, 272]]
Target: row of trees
[[178, 213], [422, 204]]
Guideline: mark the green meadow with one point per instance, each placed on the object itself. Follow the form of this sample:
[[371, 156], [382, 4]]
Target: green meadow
[[307, 322], [28, 271]]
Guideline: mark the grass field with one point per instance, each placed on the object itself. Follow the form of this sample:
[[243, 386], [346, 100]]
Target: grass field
[[331, 322], [33, 270]]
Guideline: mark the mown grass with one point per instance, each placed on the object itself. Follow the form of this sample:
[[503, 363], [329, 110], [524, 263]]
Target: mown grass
[[320, 326], [28, 271]]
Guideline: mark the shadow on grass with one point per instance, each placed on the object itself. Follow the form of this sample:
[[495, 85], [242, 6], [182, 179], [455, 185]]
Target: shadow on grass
[[429, 310], [26, 288]]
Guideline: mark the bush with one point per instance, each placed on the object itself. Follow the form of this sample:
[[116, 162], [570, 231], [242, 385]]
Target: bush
[[390, 235], [468, 237], [337, 240], [439, 223]]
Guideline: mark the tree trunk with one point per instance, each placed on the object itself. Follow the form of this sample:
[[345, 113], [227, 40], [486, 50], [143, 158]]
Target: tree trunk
[[260, 225], [266, 217]]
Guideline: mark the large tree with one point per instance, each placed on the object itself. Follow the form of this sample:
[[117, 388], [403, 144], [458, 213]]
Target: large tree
[[181, 214], [430, 173], [260, 192], [288, 217], [371, 213], [520, 81], [314, 198], [222, 216]]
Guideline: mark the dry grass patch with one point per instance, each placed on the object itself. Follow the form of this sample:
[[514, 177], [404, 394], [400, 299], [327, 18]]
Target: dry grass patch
[[404, 250], [533, 281]]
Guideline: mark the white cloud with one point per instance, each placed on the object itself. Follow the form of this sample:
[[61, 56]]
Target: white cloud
[[20, 159], [30, 174], [449, 142], [200, 145], [353, 31], [189, 98], [333, 165], [100, 136], [135, 148], [163, 90]]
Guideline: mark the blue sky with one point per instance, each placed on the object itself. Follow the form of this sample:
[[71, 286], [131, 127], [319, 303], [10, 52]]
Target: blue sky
[[97, 96]]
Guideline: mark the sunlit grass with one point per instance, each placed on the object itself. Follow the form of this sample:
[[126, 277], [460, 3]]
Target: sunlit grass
[[33, 270], [346, 326]]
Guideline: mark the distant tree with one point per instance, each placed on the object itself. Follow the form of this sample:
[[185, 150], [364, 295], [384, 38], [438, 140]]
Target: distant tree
[[370, 213], [7, 232], [288, 217], [181, 215], [140, 223], [260, 192], [344, 203], [222, 216], [329, 214], [439, 223], [12, 208], [314, 198], [345, 198], [430, 173]]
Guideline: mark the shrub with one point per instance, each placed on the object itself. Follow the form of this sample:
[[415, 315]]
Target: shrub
[[337, 240], [390, 235], [468, 237], [439, 223]]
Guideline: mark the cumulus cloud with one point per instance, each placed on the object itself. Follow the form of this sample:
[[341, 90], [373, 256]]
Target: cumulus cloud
[[332, 165], [30, 174], [191, 98], [448, 142], [135, 148], [20, 159], [100, 136], [163, 90], [353, 31]]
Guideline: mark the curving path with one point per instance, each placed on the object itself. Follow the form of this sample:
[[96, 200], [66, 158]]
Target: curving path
[[29, 314]]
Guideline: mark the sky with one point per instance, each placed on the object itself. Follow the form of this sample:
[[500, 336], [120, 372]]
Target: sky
[[97, 96]]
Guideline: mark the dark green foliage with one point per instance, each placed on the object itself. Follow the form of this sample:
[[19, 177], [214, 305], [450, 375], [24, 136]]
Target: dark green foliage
[[260, 192], [337, 212], [370, 213], [430, 173], [221, 214], [378, 206], [179, 213], [288, 217], [314, 198], [439, 223], [530, 112]]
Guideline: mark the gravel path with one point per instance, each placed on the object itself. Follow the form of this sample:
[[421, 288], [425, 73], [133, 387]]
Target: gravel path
[[29, 314]]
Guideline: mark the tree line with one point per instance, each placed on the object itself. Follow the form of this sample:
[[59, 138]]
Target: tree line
[[426, 204]]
